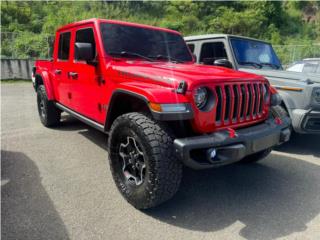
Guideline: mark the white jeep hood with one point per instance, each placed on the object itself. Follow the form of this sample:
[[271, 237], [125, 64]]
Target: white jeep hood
[[281, 74]]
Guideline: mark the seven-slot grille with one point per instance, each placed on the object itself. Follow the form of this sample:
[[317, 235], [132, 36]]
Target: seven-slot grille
[[239, 102]]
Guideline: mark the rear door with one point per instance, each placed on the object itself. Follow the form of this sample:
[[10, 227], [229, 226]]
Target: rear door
[[85, 78], [61, 67]]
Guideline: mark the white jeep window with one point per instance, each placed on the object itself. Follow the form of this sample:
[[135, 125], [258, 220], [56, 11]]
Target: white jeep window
[[212, 51]]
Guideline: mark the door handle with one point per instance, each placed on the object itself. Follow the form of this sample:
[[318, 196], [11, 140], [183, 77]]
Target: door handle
[[73, 74], [57, 71]]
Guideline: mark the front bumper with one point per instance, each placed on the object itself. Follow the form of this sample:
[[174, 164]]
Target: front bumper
[[194, 152], [306, 121]]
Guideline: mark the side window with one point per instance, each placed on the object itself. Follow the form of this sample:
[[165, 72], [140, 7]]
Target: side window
[[211, 52], [191, 47], [64, 46], [85, 36], [309, 68]]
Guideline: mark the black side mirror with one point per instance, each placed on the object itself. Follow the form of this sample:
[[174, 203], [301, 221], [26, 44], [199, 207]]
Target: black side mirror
[[84, 52], [223, 63]]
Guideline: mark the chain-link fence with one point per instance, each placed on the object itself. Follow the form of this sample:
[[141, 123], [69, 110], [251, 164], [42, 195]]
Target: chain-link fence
[[25, 45], [292, 53]]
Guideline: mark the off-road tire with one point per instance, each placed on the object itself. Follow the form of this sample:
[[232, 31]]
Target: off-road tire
[[256, 156], [163, 170], [48, 113]]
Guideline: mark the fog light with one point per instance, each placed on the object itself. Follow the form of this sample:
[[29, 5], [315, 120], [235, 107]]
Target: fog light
[[211, 153]]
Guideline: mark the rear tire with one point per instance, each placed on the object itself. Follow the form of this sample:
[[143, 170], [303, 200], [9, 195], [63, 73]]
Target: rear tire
[[48, 113], [256, 156], [135, 139]]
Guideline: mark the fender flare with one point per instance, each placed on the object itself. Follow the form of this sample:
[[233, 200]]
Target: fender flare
[[160, 116], [111, 105], [287, 101], [47, 84]]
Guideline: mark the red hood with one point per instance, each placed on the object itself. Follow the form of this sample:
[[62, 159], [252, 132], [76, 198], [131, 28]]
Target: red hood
[[170, 74]]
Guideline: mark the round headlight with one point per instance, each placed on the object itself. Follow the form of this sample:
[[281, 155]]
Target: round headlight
[[316, 95], [200, 97]]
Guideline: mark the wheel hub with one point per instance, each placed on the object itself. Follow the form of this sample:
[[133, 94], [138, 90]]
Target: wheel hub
[[133, 167]]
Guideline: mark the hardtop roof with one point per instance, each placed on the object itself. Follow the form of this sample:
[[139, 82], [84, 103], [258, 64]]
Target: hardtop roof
[[219, 35], [100, 20]]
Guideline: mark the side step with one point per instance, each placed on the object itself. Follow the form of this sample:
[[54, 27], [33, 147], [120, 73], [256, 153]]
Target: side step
[[82, 118]]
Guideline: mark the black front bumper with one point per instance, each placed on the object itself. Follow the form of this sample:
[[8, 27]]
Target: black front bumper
[[194, 152]]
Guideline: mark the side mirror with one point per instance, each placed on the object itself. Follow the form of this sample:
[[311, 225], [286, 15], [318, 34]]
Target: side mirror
[[223, 63], [84, 52]]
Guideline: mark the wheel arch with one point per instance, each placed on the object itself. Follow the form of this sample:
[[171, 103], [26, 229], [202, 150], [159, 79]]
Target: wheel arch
[[44, 79], [287, 102], [119, 104]]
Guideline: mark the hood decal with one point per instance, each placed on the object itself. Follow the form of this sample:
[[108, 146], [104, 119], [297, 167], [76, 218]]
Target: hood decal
[[130, 75]]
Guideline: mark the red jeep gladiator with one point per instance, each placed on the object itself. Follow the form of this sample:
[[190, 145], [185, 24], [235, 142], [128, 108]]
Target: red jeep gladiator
[[140, 85]]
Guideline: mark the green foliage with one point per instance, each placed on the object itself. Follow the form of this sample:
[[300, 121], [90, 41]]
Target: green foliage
[[278, 22]]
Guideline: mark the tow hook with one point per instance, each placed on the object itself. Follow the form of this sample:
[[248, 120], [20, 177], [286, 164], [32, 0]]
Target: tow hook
[[278, 121], [232, 133]]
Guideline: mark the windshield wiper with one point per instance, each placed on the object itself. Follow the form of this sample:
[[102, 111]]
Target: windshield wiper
[[271, 65], [252, 64], [130, 54], [171, 59]]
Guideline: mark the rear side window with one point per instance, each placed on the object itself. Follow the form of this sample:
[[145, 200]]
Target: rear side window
[[86, 36], [211, 52], [64, 46], [191, 47]]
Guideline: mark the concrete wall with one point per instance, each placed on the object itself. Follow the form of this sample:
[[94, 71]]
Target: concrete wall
[[16, 68]]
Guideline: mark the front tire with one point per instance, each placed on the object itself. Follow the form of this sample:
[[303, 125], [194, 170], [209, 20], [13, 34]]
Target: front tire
[[48, 113], [142, 160]]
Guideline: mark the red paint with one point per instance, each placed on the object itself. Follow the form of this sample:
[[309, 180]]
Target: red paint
[[278, 121], [232, 133], [156, 81]]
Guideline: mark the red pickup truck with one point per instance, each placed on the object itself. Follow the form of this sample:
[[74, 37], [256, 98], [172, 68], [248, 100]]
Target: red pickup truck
[[140, 85]]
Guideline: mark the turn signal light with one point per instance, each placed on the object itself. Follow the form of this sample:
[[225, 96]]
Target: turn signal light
[[155, 107]]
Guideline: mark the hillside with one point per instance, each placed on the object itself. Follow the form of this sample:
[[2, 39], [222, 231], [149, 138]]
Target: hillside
[[27, 27]]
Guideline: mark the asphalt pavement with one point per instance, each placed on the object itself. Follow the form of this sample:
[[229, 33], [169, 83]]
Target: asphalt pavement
[[56, 184]]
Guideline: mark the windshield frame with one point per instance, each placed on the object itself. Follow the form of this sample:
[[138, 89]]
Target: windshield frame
[[252, 40], [168, 31]]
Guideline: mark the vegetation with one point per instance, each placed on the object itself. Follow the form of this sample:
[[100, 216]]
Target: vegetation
[[28, 26]]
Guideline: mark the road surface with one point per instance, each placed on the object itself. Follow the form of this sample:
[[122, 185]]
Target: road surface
[[56, 184]]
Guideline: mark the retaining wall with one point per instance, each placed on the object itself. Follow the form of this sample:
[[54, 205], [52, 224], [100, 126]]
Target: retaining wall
[[16, 68]]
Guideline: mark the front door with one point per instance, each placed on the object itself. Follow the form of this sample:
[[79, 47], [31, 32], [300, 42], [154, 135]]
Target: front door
[[85, 78], [212, 50]]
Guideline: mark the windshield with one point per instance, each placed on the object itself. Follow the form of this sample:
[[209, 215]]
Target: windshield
[[254, 53], [148, 44]]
